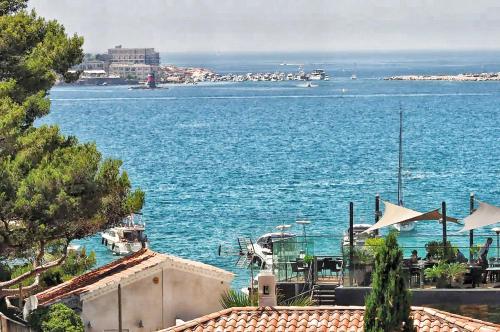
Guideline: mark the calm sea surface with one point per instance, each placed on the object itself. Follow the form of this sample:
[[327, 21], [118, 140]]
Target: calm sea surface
[[223, 160]]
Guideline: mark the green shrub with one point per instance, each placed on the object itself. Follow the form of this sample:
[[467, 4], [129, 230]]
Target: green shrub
[[436, 250], [60, 318], [36, 318]]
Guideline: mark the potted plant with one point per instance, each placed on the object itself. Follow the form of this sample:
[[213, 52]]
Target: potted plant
[[437, 273], [363, 265], [455, 272], [447, 275]]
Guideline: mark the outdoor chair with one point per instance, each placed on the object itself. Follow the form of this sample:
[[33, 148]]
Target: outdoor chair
[[297, 268], [320, 267], [332, 266]]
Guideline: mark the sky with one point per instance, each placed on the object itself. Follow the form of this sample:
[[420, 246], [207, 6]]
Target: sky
[[279, 25]]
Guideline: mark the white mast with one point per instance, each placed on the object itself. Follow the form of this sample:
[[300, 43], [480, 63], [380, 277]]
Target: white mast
[[400, 166]]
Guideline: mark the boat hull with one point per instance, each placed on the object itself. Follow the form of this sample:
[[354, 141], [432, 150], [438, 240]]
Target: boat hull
[[405, 226]]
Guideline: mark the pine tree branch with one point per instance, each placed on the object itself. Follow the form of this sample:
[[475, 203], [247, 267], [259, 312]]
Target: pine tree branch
[[36, 270]]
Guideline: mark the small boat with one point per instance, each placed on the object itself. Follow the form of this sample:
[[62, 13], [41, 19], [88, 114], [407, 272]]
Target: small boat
[[354, 77], [317, 75], [127, 238], [360, 236]]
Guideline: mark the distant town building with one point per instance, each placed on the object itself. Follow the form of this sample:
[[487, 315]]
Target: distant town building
[[132, 71], [134, 55], [90, 65], [148, 290]]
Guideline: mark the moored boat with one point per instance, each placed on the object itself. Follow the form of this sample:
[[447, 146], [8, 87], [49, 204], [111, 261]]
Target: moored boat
[[127, 238]]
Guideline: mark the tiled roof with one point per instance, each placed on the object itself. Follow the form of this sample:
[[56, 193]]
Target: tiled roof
[[117, 271], [334, 318]]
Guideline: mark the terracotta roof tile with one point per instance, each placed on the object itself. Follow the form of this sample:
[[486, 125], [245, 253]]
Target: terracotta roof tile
[[333, 318]]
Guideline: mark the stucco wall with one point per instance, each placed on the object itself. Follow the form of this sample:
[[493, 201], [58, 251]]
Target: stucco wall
[[141, 301], [189, 296], [178, 294]]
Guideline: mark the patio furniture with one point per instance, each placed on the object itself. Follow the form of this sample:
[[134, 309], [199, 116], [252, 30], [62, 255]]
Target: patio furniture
[[332, 266], [297, 268]]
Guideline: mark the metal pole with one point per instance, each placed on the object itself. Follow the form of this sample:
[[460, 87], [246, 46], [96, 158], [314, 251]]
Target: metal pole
[[471, 232], [351, 242], [443, 212], [120, 329], [377, 210]]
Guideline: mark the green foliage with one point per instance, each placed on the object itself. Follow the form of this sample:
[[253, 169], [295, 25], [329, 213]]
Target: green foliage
[[52, 188], [11, 6], [60, 318], [388, 304], [300, 301], [77, 263], [36, 318], [233, 298], [308, 259], [373, 245], [436, 250], [447, 272], [436, 272]]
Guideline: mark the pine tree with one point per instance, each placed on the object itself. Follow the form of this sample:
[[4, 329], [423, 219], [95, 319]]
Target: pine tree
[[388, 305], [53, 189]]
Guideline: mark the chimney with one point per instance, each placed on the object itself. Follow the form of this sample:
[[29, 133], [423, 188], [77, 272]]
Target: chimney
[[267, 289]]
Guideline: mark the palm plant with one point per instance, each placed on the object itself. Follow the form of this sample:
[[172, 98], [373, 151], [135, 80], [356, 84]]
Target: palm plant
[[233, 298]]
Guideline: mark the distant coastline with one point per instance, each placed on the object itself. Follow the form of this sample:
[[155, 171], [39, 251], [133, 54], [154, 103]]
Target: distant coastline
[[460, 77]]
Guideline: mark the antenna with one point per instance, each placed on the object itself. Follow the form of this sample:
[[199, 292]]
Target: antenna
[[400, 166]]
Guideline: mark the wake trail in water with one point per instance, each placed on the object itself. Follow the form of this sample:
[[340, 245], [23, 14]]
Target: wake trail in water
[[382, 95]]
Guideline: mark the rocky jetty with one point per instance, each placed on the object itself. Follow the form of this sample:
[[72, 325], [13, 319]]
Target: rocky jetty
[[459, 77]]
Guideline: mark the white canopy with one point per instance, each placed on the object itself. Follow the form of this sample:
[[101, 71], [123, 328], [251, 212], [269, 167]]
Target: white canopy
[[485, 215], [395, 214]]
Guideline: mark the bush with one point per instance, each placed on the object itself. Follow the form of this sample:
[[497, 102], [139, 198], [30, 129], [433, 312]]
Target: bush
[[436, 250], [388, 304], [60, 318]]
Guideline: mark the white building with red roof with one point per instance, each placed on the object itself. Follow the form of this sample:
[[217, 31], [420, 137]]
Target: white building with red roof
[[148, 290]]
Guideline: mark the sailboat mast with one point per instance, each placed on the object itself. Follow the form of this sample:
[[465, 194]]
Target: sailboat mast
[[400, 166]]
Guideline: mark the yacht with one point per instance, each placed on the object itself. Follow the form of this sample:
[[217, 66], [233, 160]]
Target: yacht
[[263, 248], [360, 235], [317, 75], [126, 238]]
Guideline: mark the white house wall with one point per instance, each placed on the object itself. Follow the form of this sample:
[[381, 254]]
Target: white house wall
[[189, 295], [141, 301], [179, 293]]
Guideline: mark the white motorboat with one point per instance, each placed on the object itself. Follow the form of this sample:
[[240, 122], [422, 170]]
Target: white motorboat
[[360, 235], [263, 248], [354, 77], [127, 238], [317, 75]]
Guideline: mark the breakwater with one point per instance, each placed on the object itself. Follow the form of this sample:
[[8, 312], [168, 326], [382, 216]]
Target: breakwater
[[459, 77]]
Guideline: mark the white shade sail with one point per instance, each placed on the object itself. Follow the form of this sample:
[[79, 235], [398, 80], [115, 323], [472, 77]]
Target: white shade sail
[[395, 214], [485, 215]]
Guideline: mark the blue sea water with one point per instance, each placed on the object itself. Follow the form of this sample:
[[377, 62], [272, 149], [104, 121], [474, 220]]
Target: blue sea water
[[223, 160]]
